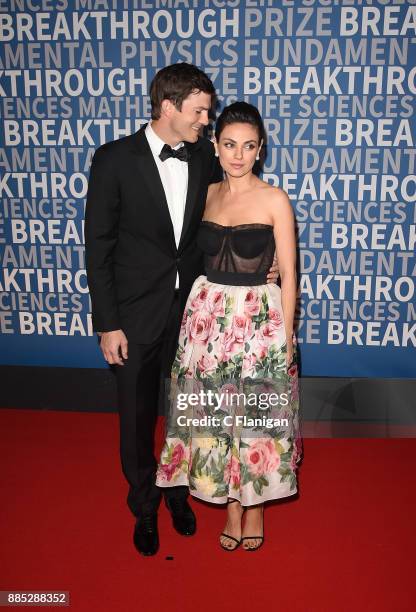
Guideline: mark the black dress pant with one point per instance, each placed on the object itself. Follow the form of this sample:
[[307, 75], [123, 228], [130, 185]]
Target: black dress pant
[[140, 388]]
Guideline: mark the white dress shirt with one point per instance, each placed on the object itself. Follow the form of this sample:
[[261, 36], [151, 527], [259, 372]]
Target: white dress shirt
[[174, 176]]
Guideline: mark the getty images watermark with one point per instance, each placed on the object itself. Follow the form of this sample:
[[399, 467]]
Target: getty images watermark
[[254, 406], [219, 401]]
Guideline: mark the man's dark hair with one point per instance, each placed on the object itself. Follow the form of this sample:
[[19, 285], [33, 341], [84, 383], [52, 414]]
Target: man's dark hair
[[240, 112], [175, 83]]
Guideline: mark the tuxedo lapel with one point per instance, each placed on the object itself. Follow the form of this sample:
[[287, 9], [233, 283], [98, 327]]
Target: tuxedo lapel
[[150, 174], [194, 176]]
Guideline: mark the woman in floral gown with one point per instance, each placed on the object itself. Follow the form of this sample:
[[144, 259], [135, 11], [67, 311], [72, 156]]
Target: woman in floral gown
[[237, 342]]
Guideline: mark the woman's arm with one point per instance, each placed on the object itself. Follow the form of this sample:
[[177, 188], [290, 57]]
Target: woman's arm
[[284, 233]]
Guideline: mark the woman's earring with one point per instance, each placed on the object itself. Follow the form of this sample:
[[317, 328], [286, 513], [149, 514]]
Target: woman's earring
[[257, 157], [216, 154]]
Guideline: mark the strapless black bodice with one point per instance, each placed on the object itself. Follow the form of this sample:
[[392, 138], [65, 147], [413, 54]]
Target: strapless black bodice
[[237, 255]]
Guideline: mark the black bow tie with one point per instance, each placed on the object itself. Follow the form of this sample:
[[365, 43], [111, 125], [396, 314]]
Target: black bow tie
[[181, 153]]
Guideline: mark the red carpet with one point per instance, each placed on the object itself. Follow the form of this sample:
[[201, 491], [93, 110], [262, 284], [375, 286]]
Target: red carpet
[[346, 543]]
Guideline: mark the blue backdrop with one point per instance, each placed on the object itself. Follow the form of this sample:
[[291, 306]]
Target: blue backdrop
[[335, 83]]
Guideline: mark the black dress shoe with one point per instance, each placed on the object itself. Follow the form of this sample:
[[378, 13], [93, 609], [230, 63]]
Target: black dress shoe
[[183, 518], [146, 536]]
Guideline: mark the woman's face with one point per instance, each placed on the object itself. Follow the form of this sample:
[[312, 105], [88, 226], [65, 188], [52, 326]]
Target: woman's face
[[237, 148]]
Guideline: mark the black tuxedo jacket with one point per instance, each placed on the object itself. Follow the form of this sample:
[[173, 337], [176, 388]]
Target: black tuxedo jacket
[[131, 255]]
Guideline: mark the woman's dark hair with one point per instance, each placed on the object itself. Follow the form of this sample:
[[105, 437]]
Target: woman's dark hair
[[175, 83], [240, 112]]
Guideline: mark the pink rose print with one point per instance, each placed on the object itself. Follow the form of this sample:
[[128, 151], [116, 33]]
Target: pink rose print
[[183, 359], [166, 471], [178, 455], [293, 462], [275, 319], [200, 327], [198, 303], [229, 346], [267, 334], [292, 370], [262, 457], [206, 363], [241, 327], [262, 351], [215, 303], [251, 303], [295, 390], [183, 322], [232, 472], [297, 451], [249, 363]]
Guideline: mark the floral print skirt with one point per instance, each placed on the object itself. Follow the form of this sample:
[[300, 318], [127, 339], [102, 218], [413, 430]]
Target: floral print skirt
[[226, 438]]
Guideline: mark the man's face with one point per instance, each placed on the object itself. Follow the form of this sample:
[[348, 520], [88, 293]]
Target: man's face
[[187, 122]]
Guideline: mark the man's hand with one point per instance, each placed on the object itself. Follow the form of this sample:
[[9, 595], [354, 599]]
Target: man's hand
[[114, 346], [273, 272]]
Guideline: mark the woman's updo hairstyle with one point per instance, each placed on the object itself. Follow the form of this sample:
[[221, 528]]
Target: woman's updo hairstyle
[[240, 112]]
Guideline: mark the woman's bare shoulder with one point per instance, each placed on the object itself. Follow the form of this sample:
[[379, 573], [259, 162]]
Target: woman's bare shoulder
[[274, 192], [278, 202]]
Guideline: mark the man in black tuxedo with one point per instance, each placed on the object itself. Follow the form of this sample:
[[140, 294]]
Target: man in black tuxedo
[[145, 201]]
